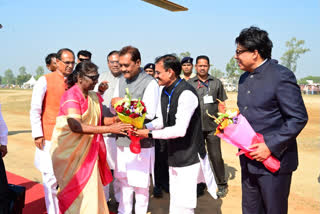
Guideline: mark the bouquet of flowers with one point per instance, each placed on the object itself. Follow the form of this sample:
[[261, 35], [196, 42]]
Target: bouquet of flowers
[[132, 111], [236, 130]]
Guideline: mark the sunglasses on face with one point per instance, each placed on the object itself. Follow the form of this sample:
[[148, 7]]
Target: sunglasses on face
[[83, 59], [92, 77], [238, 52]]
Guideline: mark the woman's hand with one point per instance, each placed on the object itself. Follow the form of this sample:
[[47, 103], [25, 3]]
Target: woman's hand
[[120, 128]]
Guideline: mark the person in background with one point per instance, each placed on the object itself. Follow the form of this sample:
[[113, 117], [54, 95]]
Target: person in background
[[149, 69], [4, 192], [83, 55], [106, 86], [51, 62], [271, 101], [187, 67], [45, 104]]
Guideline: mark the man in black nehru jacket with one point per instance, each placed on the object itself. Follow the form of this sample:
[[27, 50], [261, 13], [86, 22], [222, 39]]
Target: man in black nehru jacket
[[179, 123]]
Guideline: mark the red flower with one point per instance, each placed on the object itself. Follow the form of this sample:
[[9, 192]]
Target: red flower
[[132, 115], [128, 112], [142, 103], [144, 110], [119, 109]]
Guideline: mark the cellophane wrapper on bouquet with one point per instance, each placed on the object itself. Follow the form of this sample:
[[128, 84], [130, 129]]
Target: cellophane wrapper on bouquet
[[132, 111], [234, 128]]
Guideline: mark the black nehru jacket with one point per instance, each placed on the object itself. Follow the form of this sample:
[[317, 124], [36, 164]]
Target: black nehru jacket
[[182, 151]]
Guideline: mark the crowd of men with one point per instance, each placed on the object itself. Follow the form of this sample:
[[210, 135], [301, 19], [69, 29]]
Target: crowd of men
[[178, 137]]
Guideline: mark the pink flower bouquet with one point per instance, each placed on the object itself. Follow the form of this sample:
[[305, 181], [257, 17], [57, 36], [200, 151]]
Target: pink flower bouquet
[[236, 130]]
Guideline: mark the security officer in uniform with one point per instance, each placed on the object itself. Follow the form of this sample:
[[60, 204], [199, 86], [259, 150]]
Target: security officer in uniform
[[149, 69], [187, 67]]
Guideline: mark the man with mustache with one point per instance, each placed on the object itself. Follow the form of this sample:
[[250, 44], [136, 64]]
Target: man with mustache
[[45, 105], [210, 89], [133, 171]]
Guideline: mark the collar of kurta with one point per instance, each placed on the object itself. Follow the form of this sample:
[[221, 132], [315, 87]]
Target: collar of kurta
[[169, 88]]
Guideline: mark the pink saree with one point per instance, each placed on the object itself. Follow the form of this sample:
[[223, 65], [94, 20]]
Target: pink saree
[[79, 160]]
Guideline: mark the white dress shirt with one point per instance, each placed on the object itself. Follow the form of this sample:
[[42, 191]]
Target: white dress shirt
[[187, 104], [3, 130]]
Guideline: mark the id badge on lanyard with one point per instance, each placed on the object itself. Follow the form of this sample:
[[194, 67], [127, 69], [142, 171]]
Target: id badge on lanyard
[[207, 99]]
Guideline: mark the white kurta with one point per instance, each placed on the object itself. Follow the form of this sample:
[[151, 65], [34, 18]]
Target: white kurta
[[42, 158], [128, 163], [187, 103], [109, 140], [3, 131]]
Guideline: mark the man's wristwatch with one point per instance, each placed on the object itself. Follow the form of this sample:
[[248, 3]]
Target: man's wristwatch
[[150, 134]]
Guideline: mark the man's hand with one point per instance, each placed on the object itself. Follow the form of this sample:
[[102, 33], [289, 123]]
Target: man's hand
[[39, 142], [3, 150], [221, 106], [143, 133], [103, 87], [261, 151]]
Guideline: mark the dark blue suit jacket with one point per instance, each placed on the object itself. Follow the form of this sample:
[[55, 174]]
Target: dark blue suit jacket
[[270, 99]]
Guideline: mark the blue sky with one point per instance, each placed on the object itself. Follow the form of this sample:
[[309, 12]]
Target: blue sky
[[32, 29]]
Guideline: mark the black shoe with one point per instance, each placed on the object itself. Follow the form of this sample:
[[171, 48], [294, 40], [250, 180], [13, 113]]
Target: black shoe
[[200, 189], [222, 191], [157, 192]]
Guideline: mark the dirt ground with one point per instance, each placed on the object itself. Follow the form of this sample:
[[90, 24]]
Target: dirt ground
[[305, 191]]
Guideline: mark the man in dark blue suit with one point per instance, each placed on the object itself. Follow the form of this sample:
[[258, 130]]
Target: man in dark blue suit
[[270, 99]]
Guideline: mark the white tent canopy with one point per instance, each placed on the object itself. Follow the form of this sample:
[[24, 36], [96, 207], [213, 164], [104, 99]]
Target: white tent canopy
[[30, 83]]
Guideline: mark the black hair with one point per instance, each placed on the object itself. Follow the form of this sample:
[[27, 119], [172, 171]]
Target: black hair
[[84, 53], [112, 53], [49, 57], [203, 57], [134, 52], [83, 68], [61, 51], [170, 61], [254, 38]]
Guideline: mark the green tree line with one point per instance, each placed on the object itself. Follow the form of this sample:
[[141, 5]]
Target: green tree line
[[9, 78], [294, 49]]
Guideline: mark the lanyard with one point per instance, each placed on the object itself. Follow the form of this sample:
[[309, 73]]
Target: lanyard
[[169, 95], [204, 84]]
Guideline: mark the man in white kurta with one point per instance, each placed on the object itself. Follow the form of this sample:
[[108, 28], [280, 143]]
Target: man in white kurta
[[133, 170], [49, 87], [179, 122], [107, 84]]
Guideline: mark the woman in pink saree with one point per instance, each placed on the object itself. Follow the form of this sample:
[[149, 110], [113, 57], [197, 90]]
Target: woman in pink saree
[[78, 150]]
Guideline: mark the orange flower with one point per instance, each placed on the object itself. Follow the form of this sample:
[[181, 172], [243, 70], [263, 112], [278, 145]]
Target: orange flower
[[224, 124]]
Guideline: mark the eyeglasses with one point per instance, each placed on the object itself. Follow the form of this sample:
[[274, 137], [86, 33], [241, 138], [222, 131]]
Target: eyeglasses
[[83, 59], [114, 62], [238, 52], [68, 63], [93, 77]]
